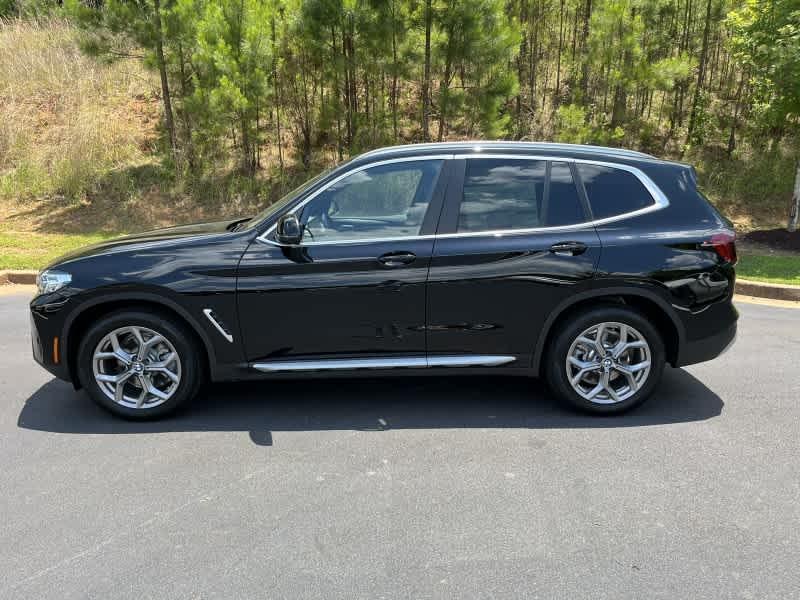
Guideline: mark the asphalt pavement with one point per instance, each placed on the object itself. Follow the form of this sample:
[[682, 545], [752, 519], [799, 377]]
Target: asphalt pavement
[[408, 488]]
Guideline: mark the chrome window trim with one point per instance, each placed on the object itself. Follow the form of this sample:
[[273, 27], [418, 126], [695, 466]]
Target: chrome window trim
[[660, 201]]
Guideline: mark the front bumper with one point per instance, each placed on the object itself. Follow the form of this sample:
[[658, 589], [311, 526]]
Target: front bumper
[[46, 336]]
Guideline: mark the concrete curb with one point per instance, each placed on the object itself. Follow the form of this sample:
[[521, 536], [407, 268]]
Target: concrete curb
[[18, 277], [773, 291]]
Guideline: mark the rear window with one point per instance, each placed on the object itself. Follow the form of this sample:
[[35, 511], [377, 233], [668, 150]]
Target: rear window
[[613, 191]]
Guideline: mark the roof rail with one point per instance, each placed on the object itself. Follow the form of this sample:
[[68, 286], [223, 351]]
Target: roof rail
[[497, 144]]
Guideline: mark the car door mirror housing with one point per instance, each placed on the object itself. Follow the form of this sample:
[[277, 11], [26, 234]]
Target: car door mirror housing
[[288, 230]]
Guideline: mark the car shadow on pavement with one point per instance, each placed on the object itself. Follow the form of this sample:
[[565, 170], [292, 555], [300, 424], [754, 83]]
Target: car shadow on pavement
[[394, 403]]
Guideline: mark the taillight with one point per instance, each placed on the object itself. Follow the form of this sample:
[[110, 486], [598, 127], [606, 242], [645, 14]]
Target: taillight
[[724, 244]]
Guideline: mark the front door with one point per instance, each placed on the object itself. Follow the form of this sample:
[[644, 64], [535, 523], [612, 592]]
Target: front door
[[514, 242], [355, 285]]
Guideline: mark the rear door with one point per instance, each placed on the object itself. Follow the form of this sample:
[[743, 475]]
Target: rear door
[[514, 240]]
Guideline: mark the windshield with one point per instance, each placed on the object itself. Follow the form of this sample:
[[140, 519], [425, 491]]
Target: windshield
[[276, 207]]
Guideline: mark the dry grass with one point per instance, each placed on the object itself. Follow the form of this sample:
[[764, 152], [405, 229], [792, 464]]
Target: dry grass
[[67, 120]]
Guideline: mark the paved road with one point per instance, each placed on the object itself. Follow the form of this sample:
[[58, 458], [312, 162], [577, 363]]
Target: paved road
[[424, 488]]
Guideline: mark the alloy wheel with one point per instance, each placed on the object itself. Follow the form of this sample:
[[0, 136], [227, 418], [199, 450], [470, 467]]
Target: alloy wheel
[[608, 363], [136, 367]]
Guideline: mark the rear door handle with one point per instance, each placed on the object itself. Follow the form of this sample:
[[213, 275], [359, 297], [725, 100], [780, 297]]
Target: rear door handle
[[396, 259], [568, 248]]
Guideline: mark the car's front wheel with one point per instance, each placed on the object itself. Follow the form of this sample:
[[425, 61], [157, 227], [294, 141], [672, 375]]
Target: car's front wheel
[[606, 360], [138, 365]]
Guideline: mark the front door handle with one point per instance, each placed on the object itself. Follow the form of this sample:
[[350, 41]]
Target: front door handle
[[394, 260], [568, 248]]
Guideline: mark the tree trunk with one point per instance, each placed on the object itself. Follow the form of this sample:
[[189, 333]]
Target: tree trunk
[[426, 78], [277, 90], [169, 122], [794, 211], [558, 59], [587, 15], [395, 67], [701, 74]]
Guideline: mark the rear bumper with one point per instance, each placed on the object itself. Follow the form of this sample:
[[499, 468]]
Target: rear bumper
[[708, 334], [708, 348]]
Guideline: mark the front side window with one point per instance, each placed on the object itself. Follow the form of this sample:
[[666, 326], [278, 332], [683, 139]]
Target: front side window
[[503, 194], [612, 191], [384, 201]]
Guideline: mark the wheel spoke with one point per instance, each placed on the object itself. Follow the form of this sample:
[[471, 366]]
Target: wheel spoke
[[595, 390], [119, 353], [605, 381], [584, 367], [152, 389], [118, 378], [173, 376], [635, 368], [164, 362], [143, 396], [629, 346], [146, 345], [601, 331], [623, 339], [592, 344]]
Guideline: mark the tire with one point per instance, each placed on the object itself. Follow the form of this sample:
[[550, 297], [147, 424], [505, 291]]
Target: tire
[[156, 381], [631, 379]]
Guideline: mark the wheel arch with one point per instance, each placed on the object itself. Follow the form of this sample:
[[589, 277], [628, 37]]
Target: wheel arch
[[96, 308], [648, 302]]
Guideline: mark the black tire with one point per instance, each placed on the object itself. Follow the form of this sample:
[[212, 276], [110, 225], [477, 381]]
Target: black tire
[[178, 336], [556, 357]]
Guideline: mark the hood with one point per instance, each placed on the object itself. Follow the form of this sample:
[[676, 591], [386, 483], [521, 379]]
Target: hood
[[146, 239]]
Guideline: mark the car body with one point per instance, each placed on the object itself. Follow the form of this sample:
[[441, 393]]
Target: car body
[[468, 257]]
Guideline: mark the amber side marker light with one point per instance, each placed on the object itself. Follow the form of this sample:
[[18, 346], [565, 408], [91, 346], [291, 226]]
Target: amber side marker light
[[56, 357]]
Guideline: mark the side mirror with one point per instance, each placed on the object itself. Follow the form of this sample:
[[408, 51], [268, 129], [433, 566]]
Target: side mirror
[[288, 230]]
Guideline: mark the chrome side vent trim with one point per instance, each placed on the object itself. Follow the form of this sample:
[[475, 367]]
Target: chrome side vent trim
[[219, 325], [400, 362]]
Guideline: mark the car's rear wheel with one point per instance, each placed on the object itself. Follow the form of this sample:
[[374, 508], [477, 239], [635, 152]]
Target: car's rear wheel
[[138, 365], [606, 360]]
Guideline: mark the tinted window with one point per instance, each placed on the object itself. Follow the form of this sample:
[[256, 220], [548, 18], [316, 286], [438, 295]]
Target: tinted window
[[379, 202], [502, 194], [511, 194], [563, 203], [613, 191]]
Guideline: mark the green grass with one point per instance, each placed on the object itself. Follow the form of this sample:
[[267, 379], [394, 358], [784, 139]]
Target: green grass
[[772, 269], [26, 250]]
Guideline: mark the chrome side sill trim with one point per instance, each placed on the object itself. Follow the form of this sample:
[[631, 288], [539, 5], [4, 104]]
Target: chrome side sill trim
[[401, 362], [469, 361], [209, 315]]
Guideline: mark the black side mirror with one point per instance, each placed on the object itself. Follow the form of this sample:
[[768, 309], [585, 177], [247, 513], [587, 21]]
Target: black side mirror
[[288, 230]]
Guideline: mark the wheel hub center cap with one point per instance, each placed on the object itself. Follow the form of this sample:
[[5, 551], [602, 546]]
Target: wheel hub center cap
[[138, 367], [607, 363]]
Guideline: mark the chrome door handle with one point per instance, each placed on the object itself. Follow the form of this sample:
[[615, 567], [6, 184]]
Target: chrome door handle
[[568, 248], [396, 259]]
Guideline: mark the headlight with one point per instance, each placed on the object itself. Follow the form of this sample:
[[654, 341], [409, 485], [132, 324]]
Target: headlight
[[50, 281]]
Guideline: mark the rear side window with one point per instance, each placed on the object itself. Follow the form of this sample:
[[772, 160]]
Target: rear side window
[[613, 191], [501, 194]]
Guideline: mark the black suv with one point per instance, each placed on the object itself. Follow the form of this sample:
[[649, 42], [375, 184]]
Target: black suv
[[590, 266]]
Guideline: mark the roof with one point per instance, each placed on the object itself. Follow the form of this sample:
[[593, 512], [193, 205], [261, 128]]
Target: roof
[[543, 148]]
